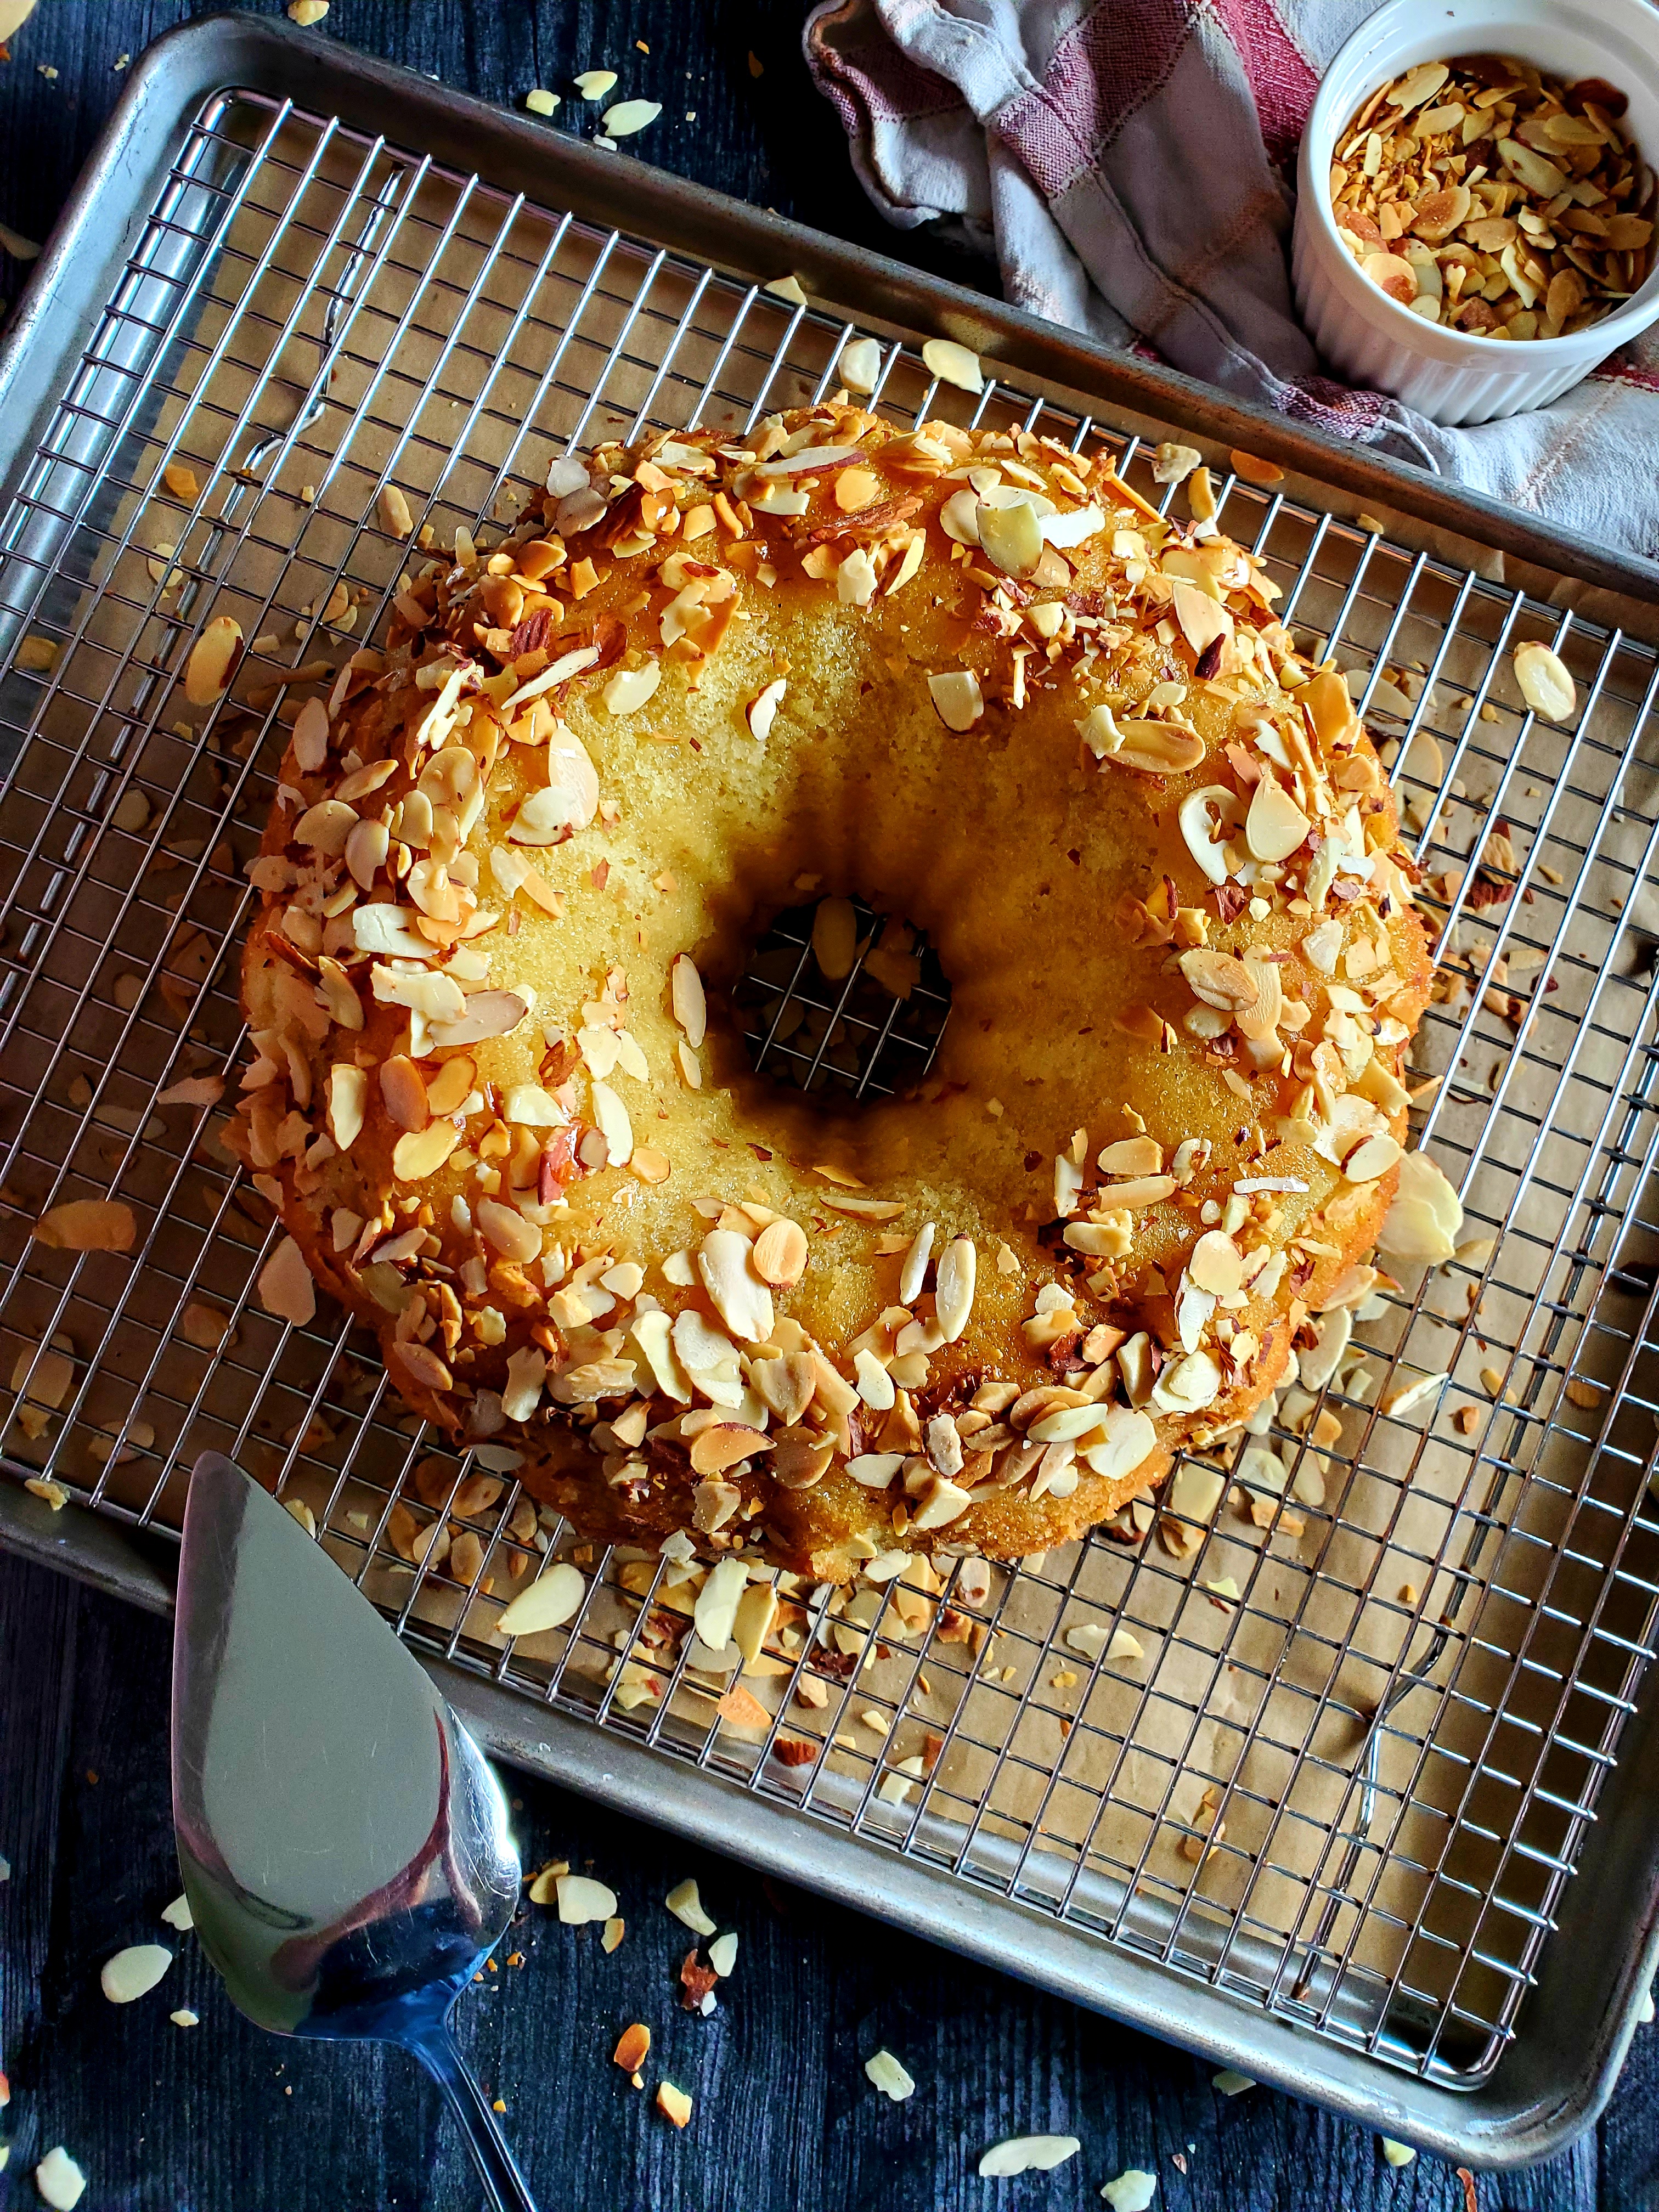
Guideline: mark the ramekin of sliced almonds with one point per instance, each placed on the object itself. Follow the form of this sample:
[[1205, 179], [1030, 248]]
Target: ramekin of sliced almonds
[[1488, 196], [1476, 222]]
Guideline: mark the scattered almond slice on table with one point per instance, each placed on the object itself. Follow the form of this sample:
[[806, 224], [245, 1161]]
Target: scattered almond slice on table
[[1028, 2154], [581, 1899], [59, 2179], [673, 2104], [131, 1973], [889, 2076], [686, 1905], [629, 116]]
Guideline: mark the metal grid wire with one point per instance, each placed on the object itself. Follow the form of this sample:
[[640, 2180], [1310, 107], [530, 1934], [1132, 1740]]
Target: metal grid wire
[[1352, 1769]]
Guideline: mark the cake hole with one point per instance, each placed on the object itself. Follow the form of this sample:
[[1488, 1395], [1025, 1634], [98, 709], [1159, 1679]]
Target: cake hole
[[853, 1036]]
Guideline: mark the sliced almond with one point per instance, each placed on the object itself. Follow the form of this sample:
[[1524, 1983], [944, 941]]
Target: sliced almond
[[723, 1445], [88, 1225], [403, 1087], [673, 2104], [1011, 537], [1159, 748], [419, 1154], [687, 997], [1393, 274], [581, 1899], [1217, 980], [212, 662], [835, 938], [953, 364], [957, 699], [763, 709], [1275, 825], [131, 1973], [724, 1261], [630, 688], [860, 365], [554, 1598], [954, 1287], [1545, 683], [780, 1253], [1217, 1264], [285, 1285]]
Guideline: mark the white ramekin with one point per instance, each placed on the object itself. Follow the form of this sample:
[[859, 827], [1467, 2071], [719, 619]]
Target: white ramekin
[[1453, 376]]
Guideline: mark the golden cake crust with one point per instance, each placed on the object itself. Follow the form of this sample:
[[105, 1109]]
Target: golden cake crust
[[513, 869]]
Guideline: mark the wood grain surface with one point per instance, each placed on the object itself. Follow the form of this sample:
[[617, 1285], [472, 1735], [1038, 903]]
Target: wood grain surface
[[220, 2118]]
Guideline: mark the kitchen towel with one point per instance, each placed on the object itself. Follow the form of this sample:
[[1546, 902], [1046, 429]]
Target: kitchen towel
[[1127, 162]]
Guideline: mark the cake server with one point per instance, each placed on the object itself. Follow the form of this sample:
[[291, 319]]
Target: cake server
[[344, 1845]]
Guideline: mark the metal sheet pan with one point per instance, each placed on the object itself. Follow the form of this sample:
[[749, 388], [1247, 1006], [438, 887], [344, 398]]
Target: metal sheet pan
[[191, 224]]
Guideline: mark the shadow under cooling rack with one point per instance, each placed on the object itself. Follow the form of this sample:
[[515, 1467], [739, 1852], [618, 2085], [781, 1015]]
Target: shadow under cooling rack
[[869, 1029]]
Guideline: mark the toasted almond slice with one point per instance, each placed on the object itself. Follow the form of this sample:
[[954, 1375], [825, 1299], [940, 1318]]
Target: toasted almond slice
[[1217, 1264], [630, 688], [285, 1285], [1132, 1156], [953, 364], [131, 1973], [554, 1598], [1172, 463], [763, 710], [835, 938], [724, 1261], [396, 520], [88, 1225], [1393, 274], [957, 699], [860, 365], [1144, 1191], [1159, 748], [403, 1087], [1011, 537], [780, 1253], [1372, 1158], [632, 2047], [1275, 825], [420, 1153], [722, 1444], [581, 1899], [1218, 980], [673, 2104], [452, 1085], [1545, 683], [348, 1100], [212, 662], [690, 1006], [1253, 469], [954, 1287]]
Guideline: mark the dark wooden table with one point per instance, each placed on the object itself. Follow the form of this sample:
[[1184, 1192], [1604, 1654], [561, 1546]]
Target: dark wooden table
[[220, 2118]]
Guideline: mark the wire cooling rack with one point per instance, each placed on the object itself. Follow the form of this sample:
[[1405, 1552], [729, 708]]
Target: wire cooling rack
[[1381, 1675]]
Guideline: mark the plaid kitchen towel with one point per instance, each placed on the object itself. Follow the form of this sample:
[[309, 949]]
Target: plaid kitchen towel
[[1126, 161]]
